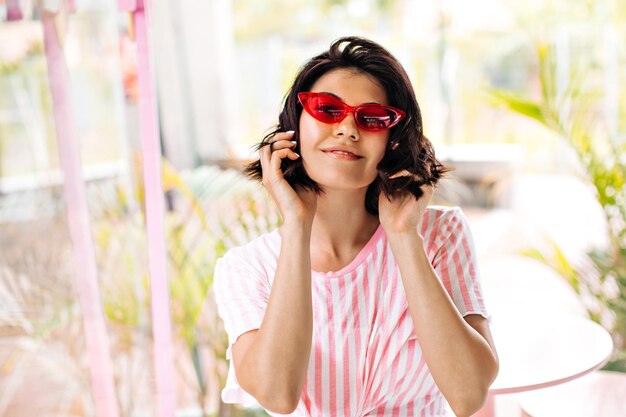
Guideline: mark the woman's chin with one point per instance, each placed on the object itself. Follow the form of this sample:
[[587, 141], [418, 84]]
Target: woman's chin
[[345, 185]]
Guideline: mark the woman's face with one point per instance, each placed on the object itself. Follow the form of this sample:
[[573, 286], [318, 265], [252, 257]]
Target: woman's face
[[323, 146]]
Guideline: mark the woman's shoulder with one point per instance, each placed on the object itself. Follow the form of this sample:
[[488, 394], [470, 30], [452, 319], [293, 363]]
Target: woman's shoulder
[[443, 212], [246, 268], [261, 248], [439, 222]]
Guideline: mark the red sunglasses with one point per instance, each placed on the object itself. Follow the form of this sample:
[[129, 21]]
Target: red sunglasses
[[329, 109]]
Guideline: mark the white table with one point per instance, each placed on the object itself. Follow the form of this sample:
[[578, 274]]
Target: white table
[[541, 351]]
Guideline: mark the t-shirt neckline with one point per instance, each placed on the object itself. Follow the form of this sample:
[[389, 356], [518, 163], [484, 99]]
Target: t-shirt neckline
[[359, 258]]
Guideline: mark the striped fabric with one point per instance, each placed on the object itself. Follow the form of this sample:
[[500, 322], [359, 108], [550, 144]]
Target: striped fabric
[[365, 359]]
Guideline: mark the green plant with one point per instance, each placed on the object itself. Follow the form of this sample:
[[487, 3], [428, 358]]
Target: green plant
[[211, 211], [40, 324], [572, 113]]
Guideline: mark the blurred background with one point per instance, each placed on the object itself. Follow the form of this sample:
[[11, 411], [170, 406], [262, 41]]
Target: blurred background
[[525, 100]]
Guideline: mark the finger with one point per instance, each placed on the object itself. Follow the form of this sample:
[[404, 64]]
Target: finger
[[264, 158], [281, 136], [266, 151], [282, 144], [277, 159], [403, 173]]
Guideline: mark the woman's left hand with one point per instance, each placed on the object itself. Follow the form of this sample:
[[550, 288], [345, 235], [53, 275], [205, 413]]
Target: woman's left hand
[[404, 213]]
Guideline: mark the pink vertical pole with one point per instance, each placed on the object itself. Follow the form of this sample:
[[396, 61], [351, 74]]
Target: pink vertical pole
[[14, 10], [127, 5], [70, 6], [154, 198], [102, 385]]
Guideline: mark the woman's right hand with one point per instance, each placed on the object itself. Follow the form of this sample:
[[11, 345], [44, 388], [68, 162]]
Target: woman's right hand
[[295, 205]]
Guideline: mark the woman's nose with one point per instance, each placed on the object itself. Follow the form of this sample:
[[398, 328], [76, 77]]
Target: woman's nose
[[347, 127]]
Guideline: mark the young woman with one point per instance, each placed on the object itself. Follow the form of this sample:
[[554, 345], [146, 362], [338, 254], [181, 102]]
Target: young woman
[[365, 302]]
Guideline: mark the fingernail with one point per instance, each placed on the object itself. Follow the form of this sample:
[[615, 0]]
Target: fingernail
[[297, 155], [293, 142], [290, 131]]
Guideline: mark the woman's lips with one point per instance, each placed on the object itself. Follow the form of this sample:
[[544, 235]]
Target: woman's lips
[[342, 155]]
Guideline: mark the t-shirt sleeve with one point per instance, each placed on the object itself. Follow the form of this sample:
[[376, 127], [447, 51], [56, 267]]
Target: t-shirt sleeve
[[241, 293], [456, 264]]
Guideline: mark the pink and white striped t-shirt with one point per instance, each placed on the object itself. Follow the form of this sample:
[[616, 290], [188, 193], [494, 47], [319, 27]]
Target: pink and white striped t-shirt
[[365, 359]]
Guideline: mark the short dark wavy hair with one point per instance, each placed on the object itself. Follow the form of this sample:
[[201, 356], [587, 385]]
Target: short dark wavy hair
[[407, 147]]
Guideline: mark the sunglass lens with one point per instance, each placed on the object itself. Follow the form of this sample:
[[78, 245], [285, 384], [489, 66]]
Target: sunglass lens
[[326, 109], [375, 118]]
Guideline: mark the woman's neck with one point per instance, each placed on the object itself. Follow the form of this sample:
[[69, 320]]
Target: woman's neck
[[341, 224]]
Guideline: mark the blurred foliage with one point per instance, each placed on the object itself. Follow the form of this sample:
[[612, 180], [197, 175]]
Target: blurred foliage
[[573, 113], [24, 94], [34, 49], [211, 211], [40, 318]]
